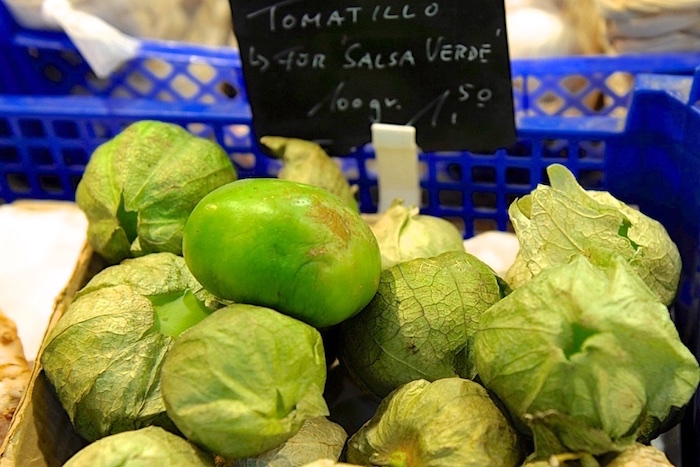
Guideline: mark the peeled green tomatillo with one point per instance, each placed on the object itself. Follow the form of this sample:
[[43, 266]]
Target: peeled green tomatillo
[[293, 247]]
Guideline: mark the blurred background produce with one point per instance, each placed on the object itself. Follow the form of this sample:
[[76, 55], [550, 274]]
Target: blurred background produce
[[536, 28], [639, 26], [307, 162], [546, 28]]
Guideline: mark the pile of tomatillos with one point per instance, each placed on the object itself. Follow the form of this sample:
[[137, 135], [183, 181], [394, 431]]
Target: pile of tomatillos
[[232, 308]]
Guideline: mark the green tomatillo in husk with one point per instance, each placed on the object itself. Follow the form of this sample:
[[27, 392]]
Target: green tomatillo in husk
[[318, 438], [307, 162], [105, 354], [329, 463], [404, 234], [421, 322], [587, 358], [244, 380], [451, 421], [146, 447], [557, 222], [568, 459], [139, 188], [639, 455]]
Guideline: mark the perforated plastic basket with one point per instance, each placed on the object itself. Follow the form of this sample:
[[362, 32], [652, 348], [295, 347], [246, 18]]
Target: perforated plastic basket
[[55, 112], [641, 142]]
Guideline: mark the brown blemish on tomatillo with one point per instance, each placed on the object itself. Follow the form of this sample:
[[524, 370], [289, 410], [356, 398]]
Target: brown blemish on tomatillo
[[331, 218]]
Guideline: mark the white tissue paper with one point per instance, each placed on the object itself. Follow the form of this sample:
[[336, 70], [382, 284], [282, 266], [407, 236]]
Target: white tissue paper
[[40, 243], [102, 46]]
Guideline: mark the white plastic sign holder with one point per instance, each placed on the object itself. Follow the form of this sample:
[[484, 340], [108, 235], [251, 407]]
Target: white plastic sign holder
[[396, 155]]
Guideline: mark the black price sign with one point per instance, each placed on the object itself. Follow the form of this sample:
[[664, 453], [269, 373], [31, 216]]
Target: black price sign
[[325, 71]]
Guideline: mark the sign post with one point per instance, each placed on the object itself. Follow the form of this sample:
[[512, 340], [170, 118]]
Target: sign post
[[397, 164], [326, 71]]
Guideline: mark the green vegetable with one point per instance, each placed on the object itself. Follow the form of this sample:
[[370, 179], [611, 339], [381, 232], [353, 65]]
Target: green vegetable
[[576, 459], [328, 463], [555, 223], [139, 188], [104, 355], [295, 248], [518, 272], [587, 357], [307, 162], [639, 455], [451, 421], [318, 438], [404, 234], [244, 380], [146, 447], [421, 322]]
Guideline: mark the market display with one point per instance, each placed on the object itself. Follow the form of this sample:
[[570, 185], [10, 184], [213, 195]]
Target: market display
[[230, 346], [241, 321]]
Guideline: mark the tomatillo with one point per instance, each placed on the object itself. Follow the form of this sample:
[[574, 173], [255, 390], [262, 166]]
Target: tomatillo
[[293, 247]]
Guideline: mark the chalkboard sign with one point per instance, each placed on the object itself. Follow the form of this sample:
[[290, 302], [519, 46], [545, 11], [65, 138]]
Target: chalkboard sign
[[326, 70]]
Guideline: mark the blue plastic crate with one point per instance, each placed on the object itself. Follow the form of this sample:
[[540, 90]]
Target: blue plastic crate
[[55, 112], [614, 125], [44, 144]]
